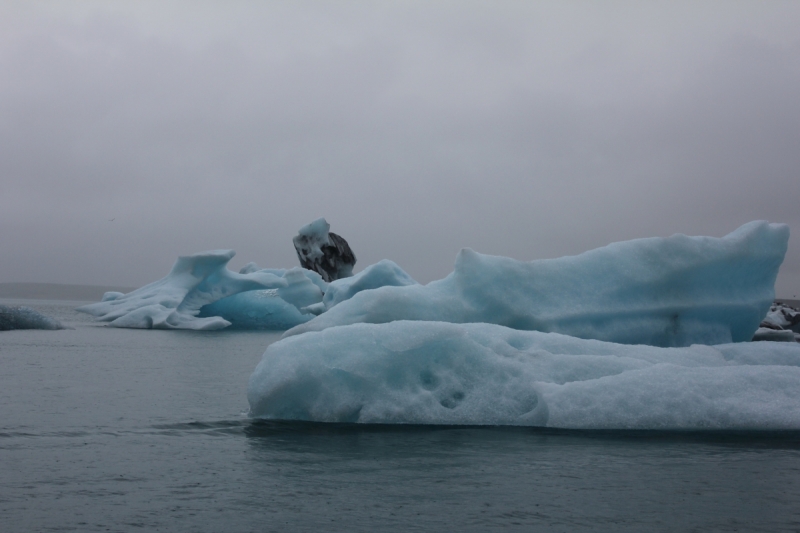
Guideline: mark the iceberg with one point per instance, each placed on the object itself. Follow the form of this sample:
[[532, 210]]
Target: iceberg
[[670, 292], [183, 299], [22, 317], [201, 293], [420, 372]]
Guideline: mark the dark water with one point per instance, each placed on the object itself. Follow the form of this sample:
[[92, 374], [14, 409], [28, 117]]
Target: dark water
[[104, 429]]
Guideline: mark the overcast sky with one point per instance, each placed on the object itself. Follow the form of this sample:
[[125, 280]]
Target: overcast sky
[[132, 132]]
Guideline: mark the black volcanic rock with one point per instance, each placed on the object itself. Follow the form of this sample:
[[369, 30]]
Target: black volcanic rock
[[326, 253]]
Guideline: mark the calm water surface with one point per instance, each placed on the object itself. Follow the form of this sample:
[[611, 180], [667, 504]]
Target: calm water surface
[[103, 429]]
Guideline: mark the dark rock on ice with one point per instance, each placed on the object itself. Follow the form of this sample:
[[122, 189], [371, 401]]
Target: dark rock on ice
[[782, 323], [20, 317], [324, 252]]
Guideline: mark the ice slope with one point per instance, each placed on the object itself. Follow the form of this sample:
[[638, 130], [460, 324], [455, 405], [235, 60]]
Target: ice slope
[[384, 273], [21, 317], [673, 291], [195, 281], [419, 372]]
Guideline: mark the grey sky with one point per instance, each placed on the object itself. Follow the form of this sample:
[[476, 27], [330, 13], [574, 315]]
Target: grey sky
[[526, 129]]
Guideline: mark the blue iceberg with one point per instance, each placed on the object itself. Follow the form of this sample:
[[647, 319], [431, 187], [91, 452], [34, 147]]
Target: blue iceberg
[[673, 291], [420, 372], [201, 293]]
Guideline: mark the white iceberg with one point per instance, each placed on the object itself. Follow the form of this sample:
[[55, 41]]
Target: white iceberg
[[442, 373], [673, 291], [178, 301]]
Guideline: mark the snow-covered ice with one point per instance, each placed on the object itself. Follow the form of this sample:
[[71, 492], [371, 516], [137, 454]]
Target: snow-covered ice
[[417, 372], [673, 291], [177, 301], [21, 317]]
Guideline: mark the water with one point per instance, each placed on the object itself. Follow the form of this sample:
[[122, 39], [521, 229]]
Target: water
[[103, 429]]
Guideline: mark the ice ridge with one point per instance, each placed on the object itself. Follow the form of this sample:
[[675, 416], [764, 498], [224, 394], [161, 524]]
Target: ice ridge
[[673, 291]]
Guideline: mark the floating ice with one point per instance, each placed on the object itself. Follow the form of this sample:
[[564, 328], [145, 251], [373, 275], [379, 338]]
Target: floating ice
[[385, 273], [441, 373], [179, 300], [776, 335], [21, 317], [782, 316], [673, 291]]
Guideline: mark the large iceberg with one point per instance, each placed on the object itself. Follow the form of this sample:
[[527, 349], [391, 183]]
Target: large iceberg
[[442, 373], [183, 299], [673, 291]]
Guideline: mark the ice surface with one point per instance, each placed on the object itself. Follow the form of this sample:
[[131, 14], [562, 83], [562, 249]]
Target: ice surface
[[415, 372], [324, 252], [673, 291], [21, 317], [385, 273], [195, 281], [256, 310]]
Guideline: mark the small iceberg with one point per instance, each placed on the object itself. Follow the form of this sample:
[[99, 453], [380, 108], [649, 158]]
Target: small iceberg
[[180, 300], [21, 317]]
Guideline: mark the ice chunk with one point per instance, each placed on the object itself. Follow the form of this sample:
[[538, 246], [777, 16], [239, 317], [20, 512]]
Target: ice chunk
[[673, 291], [782, 316], [21, 317], [111, 295], [195, 281], [441, 373], [385, 273], [775, 335], [256, 310], [324, 252]]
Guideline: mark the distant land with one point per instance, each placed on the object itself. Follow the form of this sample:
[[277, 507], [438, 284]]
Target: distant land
[[57, 291]]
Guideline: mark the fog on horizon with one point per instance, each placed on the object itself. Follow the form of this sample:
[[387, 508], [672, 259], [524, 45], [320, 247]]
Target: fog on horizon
[[134, 132]]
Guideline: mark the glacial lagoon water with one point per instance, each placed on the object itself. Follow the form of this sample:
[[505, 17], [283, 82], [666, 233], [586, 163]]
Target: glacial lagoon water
[[105, 429]]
